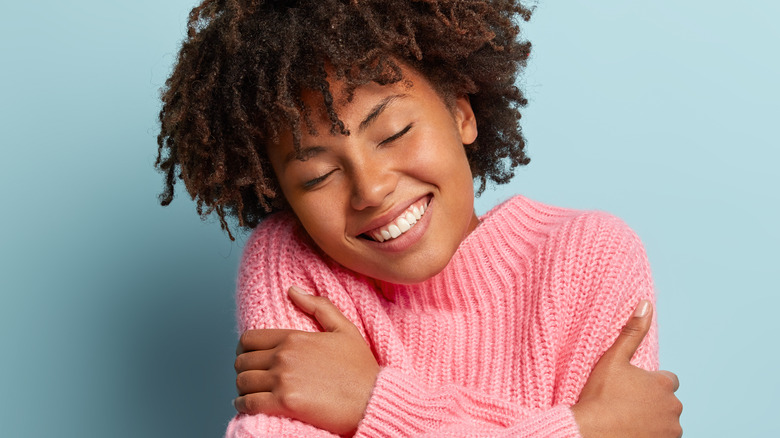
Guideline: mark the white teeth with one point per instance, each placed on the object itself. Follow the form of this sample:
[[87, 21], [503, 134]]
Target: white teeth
[[403, 225]]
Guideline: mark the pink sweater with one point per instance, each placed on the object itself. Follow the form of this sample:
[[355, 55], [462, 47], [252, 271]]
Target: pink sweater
[[500, 343]]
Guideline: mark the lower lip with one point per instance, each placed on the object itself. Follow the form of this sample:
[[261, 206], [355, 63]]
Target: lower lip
[[407, 239]]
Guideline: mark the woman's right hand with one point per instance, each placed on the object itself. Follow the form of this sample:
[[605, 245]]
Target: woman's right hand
[[621, 400]]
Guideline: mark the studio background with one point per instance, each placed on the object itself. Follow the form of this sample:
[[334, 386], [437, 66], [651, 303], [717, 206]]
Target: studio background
[[117, 314]]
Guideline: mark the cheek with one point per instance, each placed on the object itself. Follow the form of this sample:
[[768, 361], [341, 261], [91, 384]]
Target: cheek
[[440, 161], [321, 220]]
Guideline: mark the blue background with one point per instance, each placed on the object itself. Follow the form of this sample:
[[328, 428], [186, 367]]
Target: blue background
[[117, 314]]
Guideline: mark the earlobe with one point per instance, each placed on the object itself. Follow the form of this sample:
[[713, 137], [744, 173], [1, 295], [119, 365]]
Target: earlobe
[[465, 119]]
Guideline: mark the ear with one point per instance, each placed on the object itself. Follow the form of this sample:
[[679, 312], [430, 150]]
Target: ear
[[465, 120]]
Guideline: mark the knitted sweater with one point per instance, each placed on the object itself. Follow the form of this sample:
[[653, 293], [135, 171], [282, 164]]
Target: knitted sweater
[[500, 343]]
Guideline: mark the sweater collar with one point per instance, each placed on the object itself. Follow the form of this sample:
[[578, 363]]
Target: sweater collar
[[452, 288]]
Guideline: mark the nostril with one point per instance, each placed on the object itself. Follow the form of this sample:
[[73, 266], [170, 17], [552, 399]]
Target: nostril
[[372, 186]]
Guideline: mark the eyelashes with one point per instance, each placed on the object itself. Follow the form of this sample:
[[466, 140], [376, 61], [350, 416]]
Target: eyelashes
[[312, 183], [396, 136]]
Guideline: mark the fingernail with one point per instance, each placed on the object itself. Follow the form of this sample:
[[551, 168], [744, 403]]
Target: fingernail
[[233, 402], [641, 309], [297, 290]]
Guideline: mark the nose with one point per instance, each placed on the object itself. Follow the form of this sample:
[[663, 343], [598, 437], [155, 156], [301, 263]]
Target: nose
[[373, 181]]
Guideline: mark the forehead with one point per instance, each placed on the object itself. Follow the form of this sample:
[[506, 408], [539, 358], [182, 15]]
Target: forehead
[[349, 103], [346, 102], [349, 107]]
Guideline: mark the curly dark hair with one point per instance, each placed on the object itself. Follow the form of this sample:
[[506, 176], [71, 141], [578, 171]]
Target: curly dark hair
[[242, 68]]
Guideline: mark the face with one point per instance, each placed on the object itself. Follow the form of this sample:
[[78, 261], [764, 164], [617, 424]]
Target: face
[[394, 199]]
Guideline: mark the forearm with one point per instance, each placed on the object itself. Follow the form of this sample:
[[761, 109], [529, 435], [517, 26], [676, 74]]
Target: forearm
[[402, 404]]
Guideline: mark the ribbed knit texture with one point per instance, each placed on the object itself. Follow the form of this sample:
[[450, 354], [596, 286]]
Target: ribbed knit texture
[[500, 343]]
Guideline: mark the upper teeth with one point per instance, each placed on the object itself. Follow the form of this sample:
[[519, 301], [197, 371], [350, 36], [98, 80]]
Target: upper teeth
[[400, 225]]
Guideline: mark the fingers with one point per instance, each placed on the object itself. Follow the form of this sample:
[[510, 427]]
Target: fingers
[[253, 360], [265, 339], [253, 381], [329, 316], [633, 332], [671, 376], [256, 403]]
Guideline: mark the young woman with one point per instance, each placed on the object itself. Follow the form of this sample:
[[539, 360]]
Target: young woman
[[371, 298]]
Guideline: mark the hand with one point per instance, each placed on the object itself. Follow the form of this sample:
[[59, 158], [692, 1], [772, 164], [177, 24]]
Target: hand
[[621, 400], [324, 379]]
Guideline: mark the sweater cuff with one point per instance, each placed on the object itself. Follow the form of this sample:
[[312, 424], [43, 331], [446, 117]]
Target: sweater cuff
[[260, 425], [401, 406]]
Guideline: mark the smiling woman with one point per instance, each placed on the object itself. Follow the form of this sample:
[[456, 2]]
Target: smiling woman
[[403, 150], [370, 297]]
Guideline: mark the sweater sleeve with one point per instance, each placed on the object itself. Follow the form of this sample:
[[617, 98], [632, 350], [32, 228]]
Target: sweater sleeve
[[273, 260], [402, 405], [598, 272]]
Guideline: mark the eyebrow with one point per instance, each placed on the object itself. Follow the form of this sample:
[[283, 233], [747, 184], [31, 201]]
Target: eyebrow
[[377, 110], [309, 152], [306, 153]]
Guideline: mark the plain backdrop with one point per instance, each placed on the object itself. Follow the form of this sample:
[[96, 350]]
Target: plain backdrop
[[117, 314]]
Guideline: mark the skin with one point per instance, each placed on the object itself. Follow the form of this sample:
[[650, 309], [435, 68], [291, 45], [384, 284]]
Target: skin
[[324, 379], [621, 400], [348, 183]]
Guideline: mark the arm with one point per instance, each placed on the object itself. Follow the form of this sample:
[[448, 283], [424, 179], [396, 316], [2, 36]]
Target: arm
[[624, 394], [401, 404], [315, 377], [608, 405], [273, 263], [613, 403]]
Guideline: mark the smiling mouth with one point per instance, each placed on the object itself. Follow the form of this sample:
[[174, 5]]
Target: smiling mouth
[[400, 225]]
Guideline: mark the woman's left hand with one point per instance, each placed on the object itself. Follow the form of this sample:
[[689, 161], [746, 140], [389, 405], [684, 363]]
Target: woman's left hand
[[324, 379]]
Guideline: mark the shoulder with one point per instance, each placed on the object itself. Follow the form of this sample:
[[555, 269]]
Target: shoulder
[[585, 271], [556, 227], [590, 262], [277, 240], [562, 248], [572, 252], [278, 255], [534, 229]]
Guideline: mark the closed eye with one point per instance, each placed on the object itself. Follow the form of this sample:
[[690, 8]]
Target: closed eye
[[397, 135], [310, 184]]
